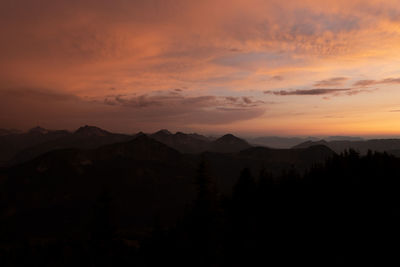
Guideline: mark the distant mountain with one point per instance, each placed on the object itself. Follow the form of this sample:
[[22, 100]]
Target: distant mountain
[[228, 144], [92, 131], [11, 144], [195, 143], [185, 143], [288, 142], [307, 144], [379, 145], [17, 148], [86, 137], [279, 142], [343, 138], [37, 141], [38, 130]]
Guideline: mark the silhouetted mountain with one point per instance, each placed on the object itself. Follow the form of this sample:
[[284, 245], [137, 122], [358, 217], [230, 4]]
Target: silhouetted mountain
[[228, 143], [39, 141], [379, 145], [38, 130], [279, 142], [185, 143], [195, 143], [162, 132], [11, 144], [289, 142], [92, 131], [17, 148], [343, 138], [311, 143]]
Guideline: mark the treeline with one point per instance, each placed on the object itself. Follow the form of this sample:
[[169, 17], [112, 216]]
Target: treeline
[[343, 212]]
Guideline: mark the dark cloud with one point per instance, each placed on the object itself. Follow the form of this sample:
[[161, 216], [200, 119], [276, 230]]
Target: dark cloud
[[232, 99], [247, 100], [365, 83], [335, 81], [178, 100], [277, 78], [358, 91], [317, 91], [325, 92]]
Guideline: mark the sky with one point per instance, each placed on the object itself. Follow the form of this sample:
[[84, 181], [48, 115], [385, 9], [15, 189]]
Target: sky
[[250, 67]]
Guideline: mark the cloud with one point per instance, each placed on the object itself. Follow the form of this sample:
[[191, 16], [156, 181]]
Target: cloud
[[161, 107], [142, 45], [319, 91], [302, 92], [336, 81], [365, 83], [277, 78], [26, 107], [177, 101]]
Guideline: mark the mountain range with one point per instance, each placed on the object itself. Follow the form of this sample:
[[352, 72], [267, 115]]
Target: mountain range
[[391, 146], [20, 147], [288, 142], [17, 147]]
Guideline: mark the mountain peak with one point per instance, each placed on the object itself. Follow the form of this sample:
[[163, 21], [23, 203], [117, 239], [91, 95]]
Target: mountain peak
[[139, 134], [229, 143], [230, 138], [91, 131], [38, 130], [163, 132], [310, 143]]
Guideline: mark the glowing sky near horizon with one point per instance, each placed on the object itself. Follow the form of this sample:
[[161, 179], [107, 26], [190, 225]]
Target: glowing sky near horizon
[[293, 67]]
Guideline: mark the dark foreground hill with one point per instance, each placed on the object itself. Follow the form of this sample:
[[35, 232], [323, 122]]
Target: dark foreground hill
[[52, 195], [143, 176]]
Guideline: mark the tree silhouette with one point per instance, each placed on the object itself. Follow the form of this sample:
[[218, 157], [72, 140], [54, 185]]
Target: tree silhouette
[[102, 229], [204, 220]]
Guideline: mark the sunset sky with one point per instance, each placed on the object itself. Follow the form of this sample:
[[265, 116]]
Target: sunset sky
[[250, 67]]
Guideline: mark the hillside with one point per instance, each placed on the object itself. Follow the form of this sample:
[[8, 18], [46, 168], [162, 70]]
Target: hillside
[[145, 178]]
